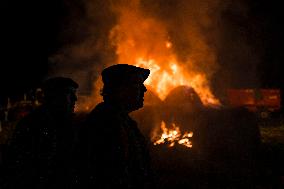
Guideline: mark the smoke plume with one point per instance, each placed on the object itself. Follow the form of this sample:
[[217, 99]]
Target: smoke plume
[[202, 36]]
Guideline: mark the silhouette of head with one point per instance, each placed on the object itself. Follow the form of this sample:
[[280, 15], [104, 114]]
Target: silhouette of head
[[123, 85], [60, 94]]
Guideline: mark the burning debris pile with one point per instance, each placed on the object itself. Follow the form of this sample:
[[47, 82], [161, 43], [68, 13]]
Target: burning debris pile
[[221, 134], [173, 135], [190, 140]]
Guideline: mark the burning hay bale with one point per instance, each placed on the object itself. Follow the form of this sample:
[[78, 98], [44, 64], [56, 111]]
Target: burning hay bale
[[184, 96], [223, 141]]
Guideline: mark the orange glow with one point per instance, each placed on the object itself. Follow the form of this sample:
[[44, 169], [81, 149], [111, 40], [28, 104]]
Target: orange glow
[[149, 45], [168, 44], [165, 78], [173, 136]]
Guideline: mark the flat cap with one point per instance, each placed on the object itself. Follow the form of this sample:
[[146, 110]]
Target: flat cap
[[58, 85], [123, 74]]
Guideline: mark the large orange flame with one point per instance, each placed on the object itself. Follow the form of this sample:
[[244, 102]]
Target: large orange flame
[[165, 78], [144, 41]]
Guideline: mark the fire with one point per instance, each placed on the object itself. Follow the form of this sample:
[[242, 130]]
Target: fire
[[168, 44], [165, 78], [161, 80], [173, 136], [173, 41], [144, 41]]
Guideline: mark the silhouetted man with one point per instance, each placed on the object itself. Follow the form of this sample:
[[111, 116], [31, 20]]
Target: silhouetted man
[[42, 148], [117, 151]]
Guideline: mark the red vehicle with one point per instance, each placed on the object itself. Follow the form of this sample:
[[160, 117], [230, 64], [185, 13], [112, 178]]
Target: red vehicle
[[263, 101]]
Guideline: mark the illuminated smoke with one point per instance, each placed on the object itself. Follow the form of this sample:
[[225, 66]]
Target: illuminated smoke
[[188, 32]]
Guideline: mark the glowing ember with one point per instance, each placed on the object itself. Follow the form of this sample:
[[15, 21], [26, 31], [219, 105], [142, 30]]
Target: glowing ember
[[168, 44], [173, 136]]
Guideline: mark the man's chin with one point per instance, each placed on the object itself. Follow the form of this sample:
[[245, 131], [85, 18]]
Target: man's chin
[[139, 105], [135, 107]]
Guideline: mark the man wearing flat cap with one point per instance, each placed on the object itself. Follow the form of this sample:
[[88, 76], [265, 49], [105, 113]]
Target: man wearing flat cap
[[42, 146], [117, 151]]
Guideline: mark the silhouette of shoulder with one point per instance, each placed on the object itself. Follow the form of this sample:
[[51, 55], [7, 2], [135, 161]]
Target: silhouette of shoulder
[[27, 128], [104, 114]]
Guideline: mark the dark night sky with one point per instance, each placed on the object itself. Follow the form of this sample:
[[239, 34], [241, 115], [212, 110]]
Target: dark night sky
[[267, 16], [31, 34]]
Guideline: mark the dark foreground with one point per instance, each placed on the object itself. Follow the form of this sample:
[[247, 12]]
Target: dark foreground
[[231, 150], [229, 160]]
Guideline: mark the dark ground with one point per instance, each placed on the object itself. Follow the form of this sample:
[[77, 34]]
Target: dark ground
[[232, 149], [225, 153]]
